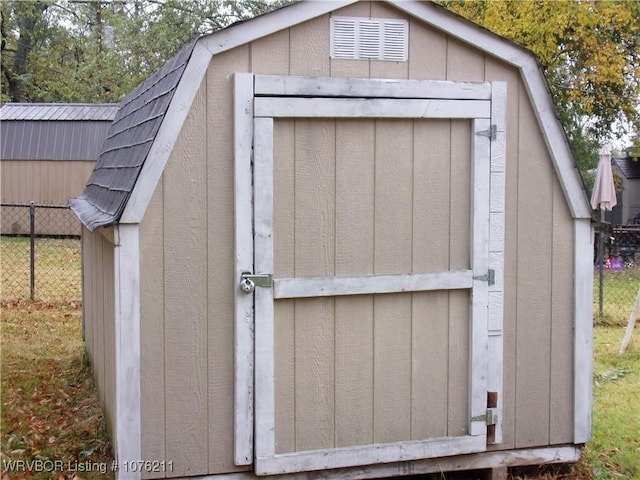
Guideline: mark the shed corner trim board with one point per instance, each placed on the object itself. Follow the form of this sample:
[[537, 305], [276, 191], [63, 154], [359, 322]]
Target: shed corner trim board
[[583, 331], [128, 433]]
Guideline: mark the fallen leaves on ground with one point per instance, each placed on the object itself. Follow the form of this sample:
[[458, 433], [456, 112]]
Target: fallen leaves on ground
[[52, 420]]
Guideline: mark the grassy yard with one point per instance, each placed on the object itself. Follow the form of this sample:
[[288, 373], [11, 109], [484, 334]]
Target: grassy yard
[[614, 452], [50, 412], [57, 269], [620, 288]]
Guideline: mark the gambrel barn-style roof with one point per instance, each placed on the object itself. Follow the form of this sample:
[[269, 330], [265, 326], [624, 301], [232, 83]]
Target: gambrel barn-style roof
[[136, 132]]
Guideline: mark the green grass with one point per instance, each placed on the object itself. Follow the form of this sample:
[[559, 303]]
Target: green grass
[[619, 292], [614, 451], [57, 269]]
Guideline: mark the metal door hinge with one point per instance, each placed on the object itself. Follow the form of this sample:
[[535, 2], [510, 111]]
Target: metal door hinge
[[490, 277], [489, 418], [492, 133], [249, 281]]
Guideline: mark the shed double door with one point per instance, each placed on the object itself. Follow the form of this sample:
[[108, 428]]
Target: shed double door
[[363, 271]]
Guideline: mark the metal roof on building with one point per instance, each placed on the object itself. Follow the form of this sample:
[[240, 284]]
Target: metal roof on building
[[127, 145], [59, 111], [46, 131], [55, 140]]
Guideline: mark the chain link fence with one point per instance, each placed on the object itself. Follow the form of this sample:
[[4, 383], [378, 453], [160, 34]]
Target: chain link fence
[[41, 260], [40, 253], [617, 278]]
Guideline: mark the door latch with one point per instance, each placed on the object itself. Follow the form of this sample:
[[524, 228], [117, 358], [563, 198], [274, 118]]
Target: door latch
[[249, 281]]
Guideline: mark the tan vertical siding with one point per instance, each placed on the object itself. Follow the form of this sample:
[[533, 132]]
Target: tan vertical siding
[[535, 208], [43, 182], [309, 48], [459, 258], [561, 338], [430, 310], [314, 256], [392, 254], [152, 331], [99, 325], [187, 289], [107, 271], [270, 55], [463, 63], [99, 317], [88, 313], [185, 293], [354, 254], [284, 266], [427, 52]]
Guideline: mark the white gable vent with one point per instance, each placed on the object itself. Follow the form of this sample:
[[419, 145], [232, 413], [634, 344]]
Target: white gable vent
[[357, 38]]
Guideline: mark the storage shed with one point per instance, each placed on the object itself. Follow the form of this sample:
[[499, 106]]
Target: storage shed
[[47, 152], [340, 240]]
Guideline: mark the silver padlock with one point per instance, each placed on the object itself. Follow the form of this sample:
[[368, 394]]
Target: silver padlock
[[247, 285]]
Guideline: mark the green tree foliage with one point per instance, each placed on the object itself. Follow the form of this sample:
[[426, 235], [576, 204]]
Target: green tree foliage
[[590, 53], [97, 51]]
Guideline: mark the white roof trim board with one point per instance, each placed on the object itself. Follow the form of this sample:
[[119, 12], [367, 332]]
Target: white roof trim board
[[294, 14]]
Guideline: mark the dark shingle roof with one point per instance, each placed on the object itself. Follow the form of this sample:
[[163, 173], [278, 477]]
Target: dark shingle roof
[[629, 167], [127, 145]]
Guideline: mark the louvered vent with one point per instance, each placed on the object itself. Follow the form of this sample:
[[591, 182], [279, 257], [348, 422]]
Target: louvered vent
[[357, 38]]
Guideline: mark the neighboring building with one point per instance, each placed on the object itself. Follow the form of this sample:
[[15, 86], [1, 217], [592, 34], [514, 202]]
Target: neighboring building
[[627, 168], [47, 153], [398, 181]]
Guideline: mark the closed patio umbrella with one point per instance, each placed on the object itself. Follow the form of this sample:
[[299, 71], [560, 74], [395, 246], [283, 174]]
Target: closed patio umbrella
[[603, 197]]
